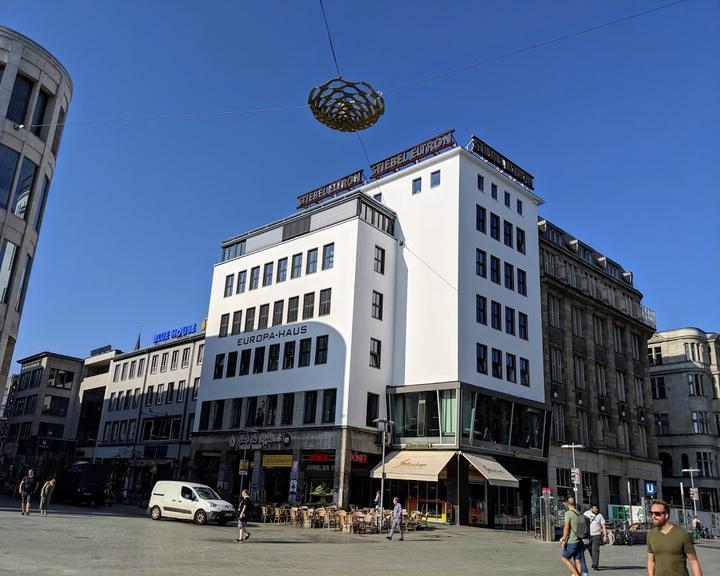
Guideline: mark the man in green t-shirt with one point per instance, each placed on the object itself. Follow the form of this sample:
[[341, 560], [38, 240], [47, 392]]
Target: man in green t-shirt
[[669, 546]]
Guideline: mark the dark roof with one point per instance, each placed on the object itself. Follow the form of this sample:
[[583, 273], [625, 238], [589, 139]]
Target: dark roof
[[40, 355]]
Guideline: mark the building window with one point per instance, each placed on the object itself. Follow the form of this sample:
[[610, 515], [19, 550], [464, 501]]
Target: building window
[[170, 396], [174, 360], [507, 198], [379, 263], [236, 413], [308, 305], [521, 282], [160, 396], [556, 364], [619, 339], [219, 366], [149, 395], [251, 411], [375, 353], [376, 309], [254, 278], [164, 362], [273, 357], [699, 422], [241, 282], [480, 309], [620, 386], [185, 358], [508, 233], [311, 264], [705, 464], [695, 387], [224, 321], [282, 270], [373, 409], [116, 373], [417, 185], [249, 319], [229, 284], [435, 179], [481, 182], [321, 350], [8, 163], [583, 429], [19, 99], [495, 269], [293, 304], [662, 423], [509, 276], [7, 269], [231, 364], [497, 363], [263, 316], [558, 422], [520, 239], [268, 274], [180, 391], [480, 263], [495, 314], [510, 368], [600, 379], [324, 304], [510, 320], [111, 404], [23, 191], [577, 321], [522, 325], [236, 322], [196, 388], [598, 331], [493, 190], [554, 311], [278, 310], [657, 386], [639, 395], [481, 358], [305, 349], [520, 209], [310, 407], [259, 360], [579, 371], [245, 362], [271, 411], [524, 372], [480, 219], [296, 270], [328, 406], [328, 256], [494, 226], [288, 408], [289, 355], [201, 350]]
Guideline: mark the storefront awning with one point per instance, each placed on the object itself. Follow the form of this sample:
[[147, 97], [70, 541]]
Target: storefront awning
[[494, 472], [424, 465]]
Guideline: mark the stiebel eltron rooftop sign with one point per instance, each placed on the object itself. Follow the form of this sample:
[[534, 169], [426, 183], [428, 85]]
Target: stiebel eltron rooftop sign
[[396, 161], [494, 157], [344, 184]]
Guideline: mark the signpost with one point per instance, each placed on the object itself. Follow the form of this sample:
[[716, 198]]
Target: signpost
[[576, 475]]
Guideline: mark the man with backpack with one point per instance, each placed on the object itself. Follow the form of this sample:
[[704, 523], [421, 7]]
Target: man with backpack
[[576, 530]]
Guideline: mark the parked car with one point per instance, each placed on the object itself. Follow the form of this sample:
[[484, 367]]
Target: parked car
[[188, 501]]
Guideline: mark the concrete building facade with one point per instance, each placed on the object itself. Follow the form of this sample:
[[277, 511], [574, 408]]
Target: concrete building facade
[[35, 92], [596, 372], [416, 298], [685, 385], [44, 414]]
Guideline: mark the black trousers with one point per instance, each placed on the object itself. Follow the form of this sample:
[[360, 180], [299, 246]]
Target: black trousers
[[595, 549]]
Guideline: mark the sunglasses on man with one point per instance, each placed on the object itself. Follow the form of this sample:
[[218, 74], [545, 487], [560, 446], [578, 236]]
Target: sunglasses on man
[[655, 513]]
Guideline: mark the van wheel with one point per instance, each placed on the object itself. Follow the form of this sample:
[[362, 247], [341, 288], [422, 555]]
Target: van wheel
[[200, 517], [155, 513]]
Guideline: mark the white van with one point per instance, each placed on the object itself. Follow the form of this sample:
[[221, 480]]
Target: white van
[[189, 501]]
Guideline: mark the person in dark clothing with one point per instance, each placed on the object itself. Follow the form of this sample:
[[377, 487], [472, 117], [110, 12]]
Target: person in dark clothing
[[28, 487], [243, 516]]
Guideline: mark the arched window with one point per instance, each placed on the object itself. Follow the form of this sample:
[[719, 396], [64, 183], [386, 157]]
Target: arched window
[[666, 463], [685, 461]]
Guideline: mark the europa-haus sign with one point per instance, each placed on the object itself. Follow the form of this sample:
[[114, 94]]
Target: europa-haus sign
[[175, 333], [432, 146], [344, 184]]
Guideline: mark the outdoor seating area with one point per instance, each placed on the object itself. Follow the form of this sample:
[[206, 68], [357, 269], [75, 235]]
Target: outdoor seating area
[[352, 521]]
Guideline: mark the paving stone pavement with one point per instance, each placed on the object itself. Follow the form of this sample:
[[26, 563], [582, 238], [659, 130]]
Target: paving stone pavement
[[122, 540]]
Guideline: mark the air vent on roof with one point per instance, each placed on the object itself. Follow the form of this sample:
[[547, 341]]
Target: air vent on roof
[[542, 225], [628, 276], [296, 228], [573, 243], [602, 261]]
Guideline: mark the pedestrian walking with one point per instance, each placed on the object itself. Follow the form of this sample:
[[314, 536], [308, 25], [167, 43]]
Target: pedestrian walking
[[27, 488], [46, 493], [575, 530], [243, 516], [669, 547], [598, 534], [396, 520], [696, 528]]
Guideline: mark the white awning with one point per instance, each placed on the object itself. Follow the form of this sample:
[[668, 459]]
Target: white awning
[[424, 465], [494, 472]]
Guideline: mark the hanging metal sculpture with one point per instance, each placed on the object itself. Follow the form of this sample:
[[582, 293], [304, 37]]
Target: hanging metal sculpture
[[346, 106]]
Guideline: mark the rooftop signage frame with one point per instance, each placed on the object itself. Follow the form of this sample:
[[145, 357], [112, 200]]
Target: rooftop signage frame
[[487, 152], [432, 146], [344, 184]]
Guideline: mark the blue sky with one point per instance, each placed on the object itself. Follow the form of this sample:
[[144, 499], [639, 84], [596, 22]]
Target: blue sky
[[619, 128]]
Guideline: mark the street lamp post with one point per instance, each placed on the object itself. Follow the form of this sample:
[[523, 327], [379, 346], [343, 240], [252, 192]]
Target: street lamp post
[[692, 471], [384, 422], [572, 447]]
